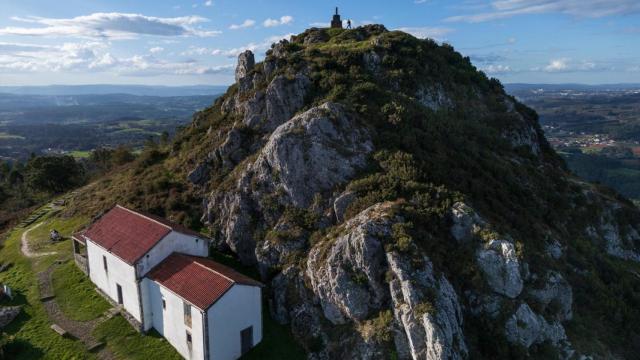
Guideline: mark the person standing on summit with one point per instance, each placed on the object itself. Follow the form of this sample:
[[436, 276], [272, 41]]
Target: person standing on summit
[[349, 24]]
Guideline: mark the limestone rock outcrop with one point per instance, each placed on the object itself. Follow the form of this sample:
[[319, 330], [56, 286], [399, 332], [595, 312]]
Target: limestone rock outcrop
[[246, 62], [556, 292], [346, 274], [307, 155], [501, 267], [526, 328], [8, 314]]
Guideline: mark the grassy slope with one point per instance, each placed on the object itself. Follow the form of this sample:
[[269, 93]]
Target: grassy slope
[[33, 337], [39, 237], [126, 343], [76, 295]]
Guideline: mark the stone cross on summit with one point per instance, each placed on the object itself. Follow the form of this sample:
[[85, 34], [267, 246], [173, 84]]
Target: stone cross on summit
[[336, 23]]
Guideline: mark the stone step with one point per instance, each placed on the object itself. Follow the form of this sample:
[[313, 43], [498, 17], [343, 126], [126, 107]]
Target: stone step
[[46, 297], [59, 330], [91, 347]]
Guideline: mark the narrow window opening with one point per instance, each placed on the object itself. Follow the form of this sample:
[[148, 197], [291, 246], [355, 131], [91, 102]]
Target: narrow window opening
[[164, 304], [104, 263], [187, 314], [189, 340], [120, 299]]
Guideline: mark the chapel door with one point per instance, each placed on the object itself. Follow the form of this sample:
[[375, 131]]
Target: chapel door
[[246, 339]]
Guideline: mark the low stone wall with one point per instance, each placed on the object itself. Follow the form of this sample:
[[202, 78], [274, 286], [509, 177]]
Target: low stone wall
[[125, 314], [7, 314], [82, 263]]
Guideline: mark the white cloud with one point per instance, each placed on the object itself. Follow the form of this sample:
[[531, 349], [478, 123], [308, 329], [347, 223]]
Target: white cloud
[[420, 1], [195, 51], [20, 47], [65, 57], [284, 20], [110, 25], [501, 9], [564, 65], [245, 24], [497, 69], [437, 33], [557, 65], [256, 47], [208, 3], [94, 56], [156, 50]]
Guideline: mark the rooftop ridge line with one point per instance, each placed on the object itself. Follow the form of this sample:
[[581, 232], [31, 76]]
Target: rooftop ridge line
[[146, 217], [213, 271]]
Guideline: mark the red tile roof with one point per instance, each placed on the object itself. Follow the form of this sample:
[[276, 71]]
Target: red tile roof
[[129, 234], [176, 227], [198, 280]]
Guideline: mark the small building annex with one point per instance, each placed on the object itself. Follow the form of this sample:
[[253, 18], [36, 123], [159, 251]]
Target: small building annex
[[157, 271]]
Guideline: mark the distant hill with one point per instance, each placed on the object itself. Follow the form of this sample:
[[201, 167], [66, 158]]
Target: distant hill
[[141, 90], [575, 87]]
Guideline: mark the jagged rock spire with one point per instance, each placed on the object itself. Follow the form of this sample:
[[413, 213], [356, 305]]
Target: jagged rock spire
[[246, 62]]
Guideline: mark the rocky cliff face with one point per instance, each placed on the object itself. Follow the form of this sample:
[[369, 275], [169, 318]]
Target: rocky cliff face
[[400, 204]]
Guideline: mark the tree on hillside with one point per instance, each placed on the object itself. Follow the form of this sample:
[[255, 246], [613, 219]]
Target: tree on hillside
[[105, 158], [3, 194], [122, 155], [15, 177], [101, 157], [53, 173], [5, 169]]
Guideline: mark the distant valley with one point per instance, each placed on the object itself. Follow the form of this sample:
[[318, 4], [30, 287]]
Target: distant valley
[[77, 119], [595, 128]]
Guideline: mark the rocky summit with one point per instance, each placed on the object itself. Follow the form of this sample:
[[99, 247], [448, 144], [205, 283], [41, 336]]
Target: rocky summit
[[399, 204]]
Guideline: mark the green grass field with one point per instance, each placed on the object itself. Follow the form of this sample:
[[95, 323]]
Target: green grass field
[[126, 343], [39, 237], [76, 295], [33, 338], [7, 136], [80, 154]]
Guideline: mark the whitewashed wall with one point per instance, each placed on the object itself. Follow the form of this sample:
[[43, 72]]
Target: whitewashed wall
[[170, 321], [238, 309], [118, 272], [173, 242]]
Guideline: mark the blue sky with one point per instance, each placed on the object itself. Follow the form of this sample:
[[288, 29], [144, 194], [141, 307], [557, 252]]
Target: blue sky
[[163, 42]]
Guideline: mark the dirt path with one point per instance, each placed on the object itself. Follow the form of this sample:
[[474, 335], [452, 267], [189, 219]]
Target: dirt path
[[24, 244], [81, 330]]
